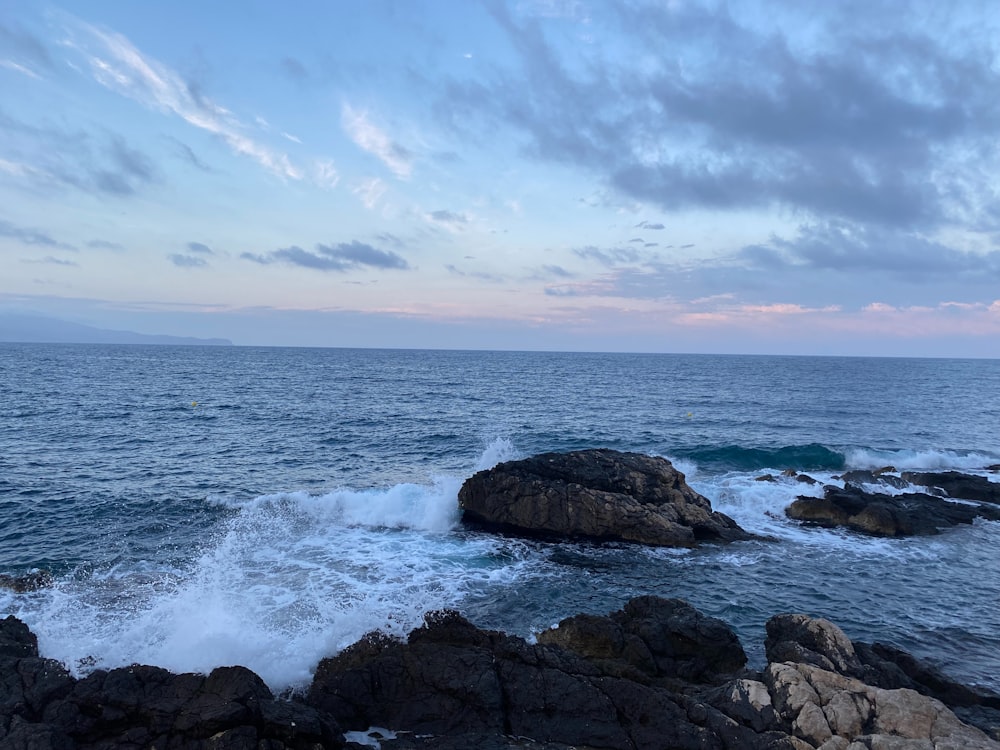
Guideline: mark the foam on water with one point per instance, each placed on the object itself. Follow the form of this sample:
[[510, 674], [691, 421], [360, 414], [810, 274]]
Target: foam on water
[[917, 460], [287, 579]]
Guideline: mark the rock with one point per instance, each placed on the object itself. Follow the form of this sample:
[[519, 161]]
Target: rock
[[450, 677], [805, 479], [765, 478], [38, 579], [859, 477], [820, 706], [594, 494], [43, 706], [802, 639], [884, 515], [662, 638], [958, 485]]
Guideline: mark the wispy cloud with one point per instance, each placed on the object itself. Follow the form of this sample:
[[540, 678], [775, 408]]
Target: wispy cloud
[[30, 236], [118, 65], [187, 261], [199, 247], [371, 138], [342, 257], [369, 190]]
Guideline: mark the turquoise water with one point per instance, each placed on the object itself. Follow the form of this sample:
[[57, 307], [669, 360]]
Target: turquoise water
[[203, 506]]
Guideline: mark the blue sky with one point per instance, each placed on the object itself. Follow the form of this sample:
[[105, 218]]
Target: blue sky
[[816, 178]]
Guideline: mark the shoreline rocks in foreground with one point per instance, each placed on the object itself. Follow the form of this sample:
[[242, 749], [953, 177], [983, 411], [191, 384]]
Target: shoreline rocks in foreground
[[597, 494], [656, 674]]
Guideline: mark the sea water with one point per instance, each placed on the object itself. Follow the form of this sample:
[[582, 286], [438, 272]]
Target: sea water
[[202, 506]]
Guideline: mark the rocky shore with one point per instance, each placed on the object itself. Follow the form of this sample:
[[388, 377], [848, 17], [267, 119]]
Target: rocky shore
[[655, 674]]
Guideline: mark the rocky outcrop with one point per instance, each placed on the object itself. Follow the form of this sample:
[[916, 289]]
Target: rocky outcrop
[[594, 494], [42, 706], [878, 514], [656, 674], [660, 639], [957, 485]]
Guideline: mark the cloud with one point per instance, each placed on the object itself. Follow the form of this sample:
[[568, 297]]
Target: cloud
[[369, 190], [856, 248], [199, 247], [105, 245], [481, 275], [294, 69], [343, 257], [185, 153], [872, 117], [23, 52], [609, 256], [369, 137], [51, 260], [450, 219], [29, 236], [187, 261], [119, 66], [62, 158], [648, 225], [132, 169]]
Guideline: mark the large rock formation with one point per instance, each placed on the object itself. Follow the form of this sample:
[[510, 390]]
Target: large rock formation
[[594, 494], [878, 514], [42, 706], [656, 674]]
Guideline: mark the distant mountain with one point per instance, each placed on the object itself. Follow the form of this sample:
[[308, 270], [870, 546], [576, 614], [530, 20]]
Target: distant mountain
[[37, 329]]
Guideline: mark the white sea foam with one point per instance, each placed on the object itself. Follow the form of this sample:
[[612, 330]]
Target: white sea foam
[[907, 460], [288, 579]]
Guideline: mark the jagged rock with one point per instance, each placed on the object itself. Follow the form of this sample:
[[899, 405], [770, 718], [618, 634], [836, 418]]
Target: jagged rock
[[594, 494], [878, 514], [450, 677], [765, 478], [43, 706], [802, 639], [658, 637], [820, 705], [858, 477], [958, 485]]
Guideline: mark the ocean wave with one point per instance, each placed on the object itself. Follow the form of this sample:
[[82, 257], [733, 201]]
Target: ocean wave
[[810, 457]]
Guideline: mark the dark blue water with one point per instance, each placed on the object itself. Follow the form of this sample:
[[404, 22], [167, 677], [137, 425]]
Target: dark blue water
[[266, 506]]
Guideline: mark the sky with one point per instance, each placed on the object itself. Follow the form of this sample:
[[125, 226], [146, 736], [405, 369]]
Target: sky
[[670, 176]]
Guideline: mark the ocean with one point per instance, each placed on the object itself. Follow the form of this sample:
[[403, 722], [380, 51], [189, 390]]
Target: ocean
[[204, 506]]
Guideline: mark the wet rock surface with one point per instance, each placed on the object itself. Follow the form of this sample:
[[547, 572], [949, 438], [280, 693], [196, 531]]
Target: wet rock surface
[[594, 494], [880, 514]]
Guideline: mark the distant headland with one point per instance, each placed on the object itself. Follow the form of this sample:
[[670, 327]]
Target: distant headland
[[36, 329]]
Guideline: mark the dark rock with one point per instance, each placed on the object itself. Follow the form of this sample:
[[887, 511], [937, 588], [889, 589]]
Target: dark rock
[[765, 478], [16, 639], [660, 638], [805, 479], [29, 582], [858, 477], [878, 514], [43, 706], [594, 494], [450, 678], [807, 640], [958, 485]]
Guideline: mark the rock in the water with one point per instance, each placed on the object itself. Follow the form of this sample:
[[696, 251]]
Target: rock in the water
[[958, 485], [38, 579], [911, 514], [594, 494]]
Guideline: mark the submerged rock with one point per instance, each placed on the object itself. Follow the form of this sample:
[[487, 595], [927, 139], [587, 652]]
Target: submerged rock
[[878, 514], [594, 494]]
